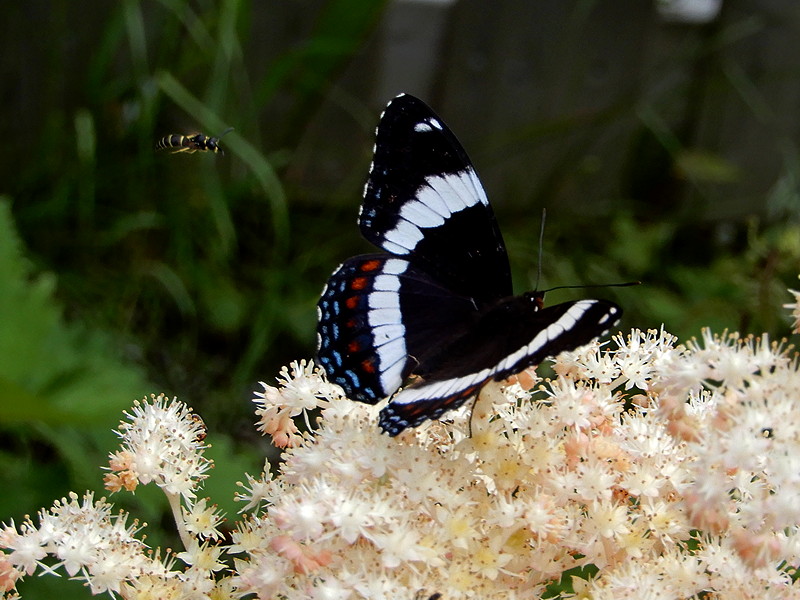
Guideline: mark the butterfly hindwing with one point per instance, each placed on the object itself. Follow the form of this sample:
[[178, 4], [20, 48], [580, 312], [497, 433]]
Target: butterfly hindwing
[[380, 318], [348, 340], [484, 354], [423, 199]]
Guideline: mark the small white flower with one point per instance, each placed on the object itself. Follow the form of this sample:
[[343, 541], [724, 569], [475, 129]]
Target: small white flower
[[163, 443], [202, 520], [88, 541], [256, 491], [302, 388], [204, 557], [398, 546]]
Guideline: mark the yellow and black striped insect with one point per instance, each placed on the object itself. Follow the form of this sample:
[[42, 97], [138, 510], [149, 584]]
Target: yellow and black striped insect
[[194, 142]]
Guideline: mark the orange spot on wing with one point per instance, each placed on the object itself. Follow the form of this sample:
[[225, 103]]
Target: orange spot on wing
[[353, 346], [370, 265], [359, 283], [368, 365], [351, 302]]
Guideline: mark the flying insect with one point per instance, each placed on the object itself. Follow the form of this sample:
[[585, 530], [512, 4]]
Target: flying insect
[[191, 143]]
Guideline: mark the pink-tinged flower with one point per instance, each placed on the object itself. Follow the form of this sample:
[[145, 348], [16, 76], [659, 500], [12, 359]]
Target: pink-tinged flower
[[709, 510], [526, 379], [265, 574], [546, 520], [9, 574], [757, 550], [162, 442], [304, 558], [302, 388], [123, 474]]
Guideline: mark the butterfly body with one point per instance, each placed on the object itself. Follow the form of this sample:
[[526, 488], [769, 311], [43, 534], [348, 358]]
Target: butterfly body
[[435, 313]]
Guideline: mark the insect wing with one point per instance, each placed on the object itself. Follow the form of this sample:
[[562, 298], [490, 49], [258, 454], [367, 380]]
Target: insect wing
[[380, 320], [423, 200], [504, 341]]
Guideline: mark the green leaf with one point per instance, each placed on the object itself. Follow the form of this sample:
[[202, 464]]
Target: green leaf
[[63, 386]]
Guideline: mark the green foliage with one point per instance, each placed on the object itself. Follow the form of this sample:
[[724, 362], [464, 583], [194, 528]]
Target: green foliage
[[187, 257], [62, 385], [692, 275], [725, 289]]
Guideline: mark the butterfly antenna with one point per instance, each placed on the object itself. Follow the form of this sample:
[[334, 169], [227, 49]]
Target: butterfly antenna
[[541, 251], [227, 131], [592, 285]]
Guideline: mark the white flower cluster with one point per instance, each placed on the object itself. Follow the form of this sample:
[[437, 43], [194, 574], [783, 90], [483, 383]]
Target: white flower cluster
[[643, 470], [85, 538], [670, 469], [162, 442]]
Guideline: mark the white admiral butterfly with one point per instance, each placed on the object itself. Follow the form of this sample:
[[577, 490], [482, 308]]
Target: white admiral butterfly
[[437, 312]]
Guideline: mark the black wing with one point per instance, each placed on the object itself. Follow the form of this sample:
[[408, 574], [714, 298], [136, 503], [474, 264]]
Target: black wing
[[381, 320], [423, 200], [507, 339]]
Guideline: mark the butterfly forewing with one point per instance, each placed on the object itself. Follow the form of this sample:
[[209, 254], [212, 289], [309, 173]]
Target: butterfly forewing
[[423, 199]]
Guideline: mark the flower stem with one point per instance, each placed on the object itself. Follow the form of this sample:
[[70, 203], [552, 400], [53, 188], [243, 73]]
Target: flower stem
[[175, 505]]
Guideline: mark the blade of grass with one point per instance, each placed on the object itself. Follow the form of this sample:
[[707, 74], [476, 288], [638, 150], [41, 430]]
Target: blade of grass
[[191, 22], [134, 23], [86, 143]]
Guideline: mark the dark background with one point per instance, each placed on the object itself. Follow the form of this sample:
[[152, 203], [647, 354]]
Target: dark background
[[665, 151]]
